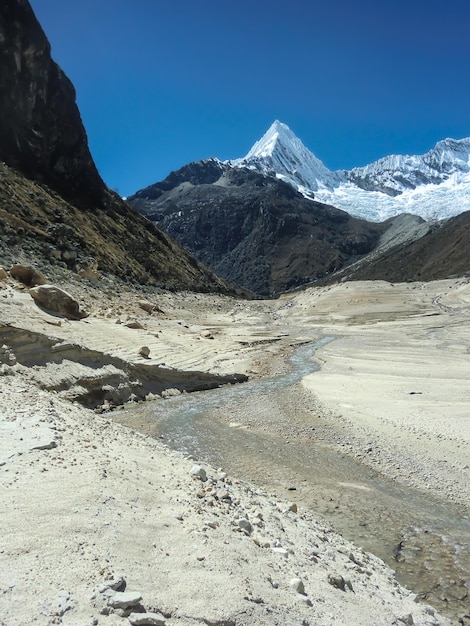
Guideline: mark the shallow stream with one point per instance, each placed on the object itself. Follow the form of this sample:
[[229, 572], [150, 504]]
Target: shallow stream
[[424, 539]]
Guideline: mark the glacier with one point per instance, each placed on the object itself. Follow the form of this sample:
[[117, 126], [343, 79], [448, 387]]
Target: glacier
[[433, 186]]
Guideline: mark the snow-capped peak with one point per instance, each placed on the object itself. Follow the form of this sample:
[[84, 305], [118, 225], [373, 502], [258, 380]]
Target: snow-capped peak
[[435, 185], [280, 152]]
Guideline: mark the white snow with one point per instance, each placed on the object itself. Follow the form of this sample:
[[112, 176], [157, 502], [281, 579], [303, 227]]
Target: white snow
[[434, 186]]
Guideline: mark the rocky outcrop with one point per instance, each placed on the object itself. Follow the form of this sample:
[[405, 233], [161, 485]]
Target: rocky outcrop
[[254, 230], [41, 131]]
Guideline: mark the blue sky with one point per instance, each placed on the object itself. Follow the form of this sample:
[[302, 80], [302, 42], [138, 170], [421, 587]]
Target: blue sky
[[161, 83]]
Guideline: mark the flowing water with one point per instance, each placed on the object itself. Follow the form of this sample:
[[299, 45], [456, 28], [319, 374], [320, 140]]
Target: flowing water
[[424, 539]]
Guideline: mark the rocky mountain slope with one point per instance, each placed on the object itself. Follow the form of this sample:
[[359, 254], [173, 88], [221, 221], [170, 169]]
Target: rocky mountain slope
[[54, 207], [443, 252], [434, 186], [254, 230]]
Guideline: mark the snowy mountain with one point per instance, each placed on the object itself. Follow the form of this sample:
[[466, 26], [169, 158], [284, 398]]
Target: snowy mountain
[[280, 152], [434, 186]]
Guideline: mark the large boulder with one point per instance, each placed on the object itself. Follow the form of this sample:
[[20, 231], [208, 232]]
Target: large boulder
[[27, 275], [57, 301]]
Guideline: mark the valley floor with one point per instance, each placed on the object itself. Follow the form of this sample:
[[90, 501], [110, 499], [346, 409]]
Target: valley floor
[[86, 499]]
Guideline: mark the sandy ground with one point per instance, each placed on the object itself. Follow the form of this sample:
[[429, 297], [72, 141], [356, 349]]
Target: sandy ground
[[86, 500]]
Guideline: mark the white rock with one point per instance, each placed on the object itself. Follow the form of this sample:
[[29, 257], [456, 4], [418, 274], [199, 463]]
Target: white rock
[[281, 551], [144, 351], [124, 599], [146, 619], [297, 585], [199, 472]]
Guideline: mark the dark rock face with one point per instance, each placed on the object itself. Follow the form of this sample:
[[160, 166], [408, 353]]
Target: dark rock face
[[41, 132], [254, 230], [53, 203]]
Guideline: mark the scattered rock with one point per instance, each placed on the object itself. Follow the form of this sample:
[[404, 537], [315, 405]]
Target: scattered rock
[[7, 355], [6, 370], [169, 393], [144, 352], [147, 619], [292, 507], [134, 324], [152, 396], [339, 582], [199, 472], [116, 584], [206, 334], [407, 619], [281, 551], [124, 599], [3, 273], [297, 585], [29, 276], [146, 306], [58, 301], [245, 525]]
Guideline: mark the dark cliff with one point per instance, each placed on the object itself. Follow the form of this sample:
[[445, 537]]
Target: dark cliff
[[52, 199], [41, 131]]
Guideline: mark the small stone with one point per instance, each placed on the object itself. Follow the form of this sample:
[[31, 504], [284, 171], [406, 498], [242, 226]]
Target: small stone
[[281, 551], [3, 273], [124, 599], [147, 619], [407, 619], [144, 351], [339, 582], [170, 393], [297, 585], [206, 334], [292, 507], [199, 472], [152, 396], [245, 525]]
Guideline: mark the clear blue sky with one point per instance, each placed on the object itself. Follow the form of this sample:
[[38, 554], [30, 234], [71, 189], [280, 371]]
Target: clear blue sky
[[161, 83]]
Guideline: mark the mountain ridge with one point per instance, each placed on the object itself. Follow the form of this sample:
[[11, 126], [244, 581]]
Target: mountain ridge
[[254, 230], [434, 186]]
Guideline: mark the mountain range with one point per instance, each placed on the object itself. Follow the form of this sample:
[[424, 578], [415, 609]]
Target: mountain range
[[434, 186], [269, 222], [278, 218]]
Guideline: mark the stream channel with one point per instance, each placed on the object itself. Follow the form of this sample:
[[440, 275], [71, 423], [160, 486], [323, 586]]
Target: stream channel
[[424, 539]]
